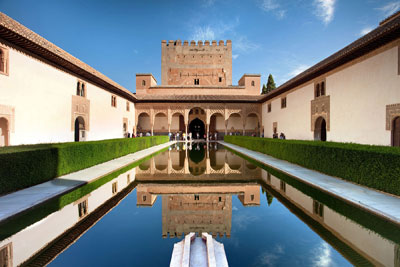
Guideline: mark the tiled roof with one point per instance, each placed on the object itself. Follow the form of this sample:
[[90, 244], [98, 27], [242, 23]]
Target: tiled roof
[[382, 35], [198, 98], [16, 33]]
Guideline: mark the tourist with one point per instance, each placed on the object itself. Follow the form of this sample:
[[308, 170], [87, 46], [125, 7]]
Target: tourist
[[129, 135], [275, 136], [184, 136], [148, 134], [282, 136], [198, 136], [169, 136], [216, 136]]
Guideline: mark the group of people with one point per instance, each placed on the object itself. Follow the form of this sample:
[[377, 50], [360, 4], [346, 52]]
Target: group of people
[[281, 136], [129, 135], [178, 136]]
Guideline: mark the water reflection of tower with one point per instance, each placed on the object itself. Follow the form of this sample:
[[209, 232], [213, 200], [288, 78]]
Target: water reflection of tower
[[211, 213]]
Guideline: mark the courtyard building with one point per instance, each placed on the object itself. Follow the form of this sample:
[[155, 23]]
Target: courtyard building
[[47, 95]]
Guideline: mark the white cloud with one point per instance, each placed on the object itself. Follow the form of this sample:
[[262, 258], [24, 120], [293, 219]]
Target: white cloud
[[269, 5], [243, 44], [273, 6], [322, 256], [235, 56], [269, 258], [203, 33], [297, 70], [390, 8], [365, 31], [242, 221], [325, 10]]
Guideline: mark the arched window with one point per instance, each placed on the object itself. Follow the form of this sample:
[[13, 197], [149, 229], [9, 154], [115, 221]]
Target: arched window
[[2, 61], [322, 88], [317, 90], [252, 83], [143, 83], [83, 90], [78, 88]]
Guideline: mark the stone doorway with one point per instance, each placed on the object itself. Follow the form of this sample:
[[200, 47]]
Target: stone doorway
[[196, 126], [320, 129], [4, 132], [396, 132], [80, 134]]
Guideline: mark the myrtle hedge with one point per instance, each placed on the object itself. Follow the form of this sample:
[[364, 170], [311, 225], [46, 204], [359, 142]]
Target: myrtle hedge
[[373, 166], [28, 165]]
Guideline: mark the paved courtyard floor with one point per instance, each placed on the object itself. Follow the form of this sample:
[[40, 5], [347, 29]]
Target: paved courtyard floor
[[382, 204]]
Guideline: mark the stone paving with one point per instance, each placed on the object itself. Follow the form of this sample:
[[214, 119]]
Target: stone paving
[[382, 204], [19, 201]]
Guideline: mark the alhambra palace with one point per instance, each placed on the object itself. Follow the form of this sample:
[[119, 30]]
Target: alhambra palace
[[48, 96]]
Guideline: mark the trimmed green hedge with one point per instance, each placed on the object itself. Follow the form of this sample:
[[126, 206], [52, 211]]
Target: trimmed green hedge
[[373, 166], [28, 165]]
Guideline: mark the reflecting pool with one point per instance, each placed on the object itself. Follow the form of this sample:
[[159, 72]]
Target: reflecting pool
[[263, 218]]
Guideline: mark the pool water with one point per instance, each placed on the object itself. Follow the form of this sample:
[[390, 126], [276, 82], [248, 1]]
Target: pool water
[[261, 219]]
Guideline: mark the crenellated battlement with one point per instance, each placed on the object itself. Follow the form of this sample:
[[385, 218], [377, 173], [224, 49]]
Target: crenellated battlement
[[199, 43], [196, 63]]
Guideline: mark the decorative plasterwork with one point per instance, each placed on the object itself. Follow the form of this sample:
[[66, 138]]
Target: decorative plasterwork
[[392, 111], [8, 112], [80, 107], [226, 110], [320, 107]]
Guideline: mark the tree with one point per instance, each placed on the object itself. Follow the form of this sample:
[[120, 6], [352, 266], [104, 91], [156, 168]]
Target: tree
[[271, 83], [269, 197], [264, 89]]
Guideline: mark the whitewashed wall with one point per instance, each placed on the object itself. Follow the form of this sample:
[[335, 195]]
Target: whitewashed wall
[[359, 93], [42, 96]]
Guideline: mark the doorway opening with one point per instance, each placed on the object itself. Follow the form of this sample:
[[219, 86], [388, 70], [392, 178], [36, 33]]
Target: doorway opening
[[320, 129], [80, 134], [196, 127]]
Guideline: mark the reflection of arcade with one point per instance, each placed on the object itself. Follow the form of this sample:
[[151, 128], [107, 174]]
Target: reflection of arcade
[[194, 208], [200, 161]]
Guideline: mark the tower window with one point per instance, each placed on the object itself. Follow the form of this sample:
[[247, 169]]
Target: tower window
[[319, 89], [83, 208], [81, 89], [143, 83], [283, 186], [114, 101], [252, 83], [322, 88], [220, 79], [269, 107], [196, 197], [283, 102], [196, 81], [114, 188], [318, 208], [3, 61]]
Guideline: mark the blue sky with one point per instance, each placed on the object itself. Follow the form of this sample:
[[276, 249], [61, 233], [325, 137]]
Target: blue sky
[[121, 38]]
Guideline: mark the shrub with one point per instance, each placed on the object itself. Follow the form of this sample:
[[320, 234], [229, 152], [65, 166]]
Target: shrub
[[28, 165], [373, 166]]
